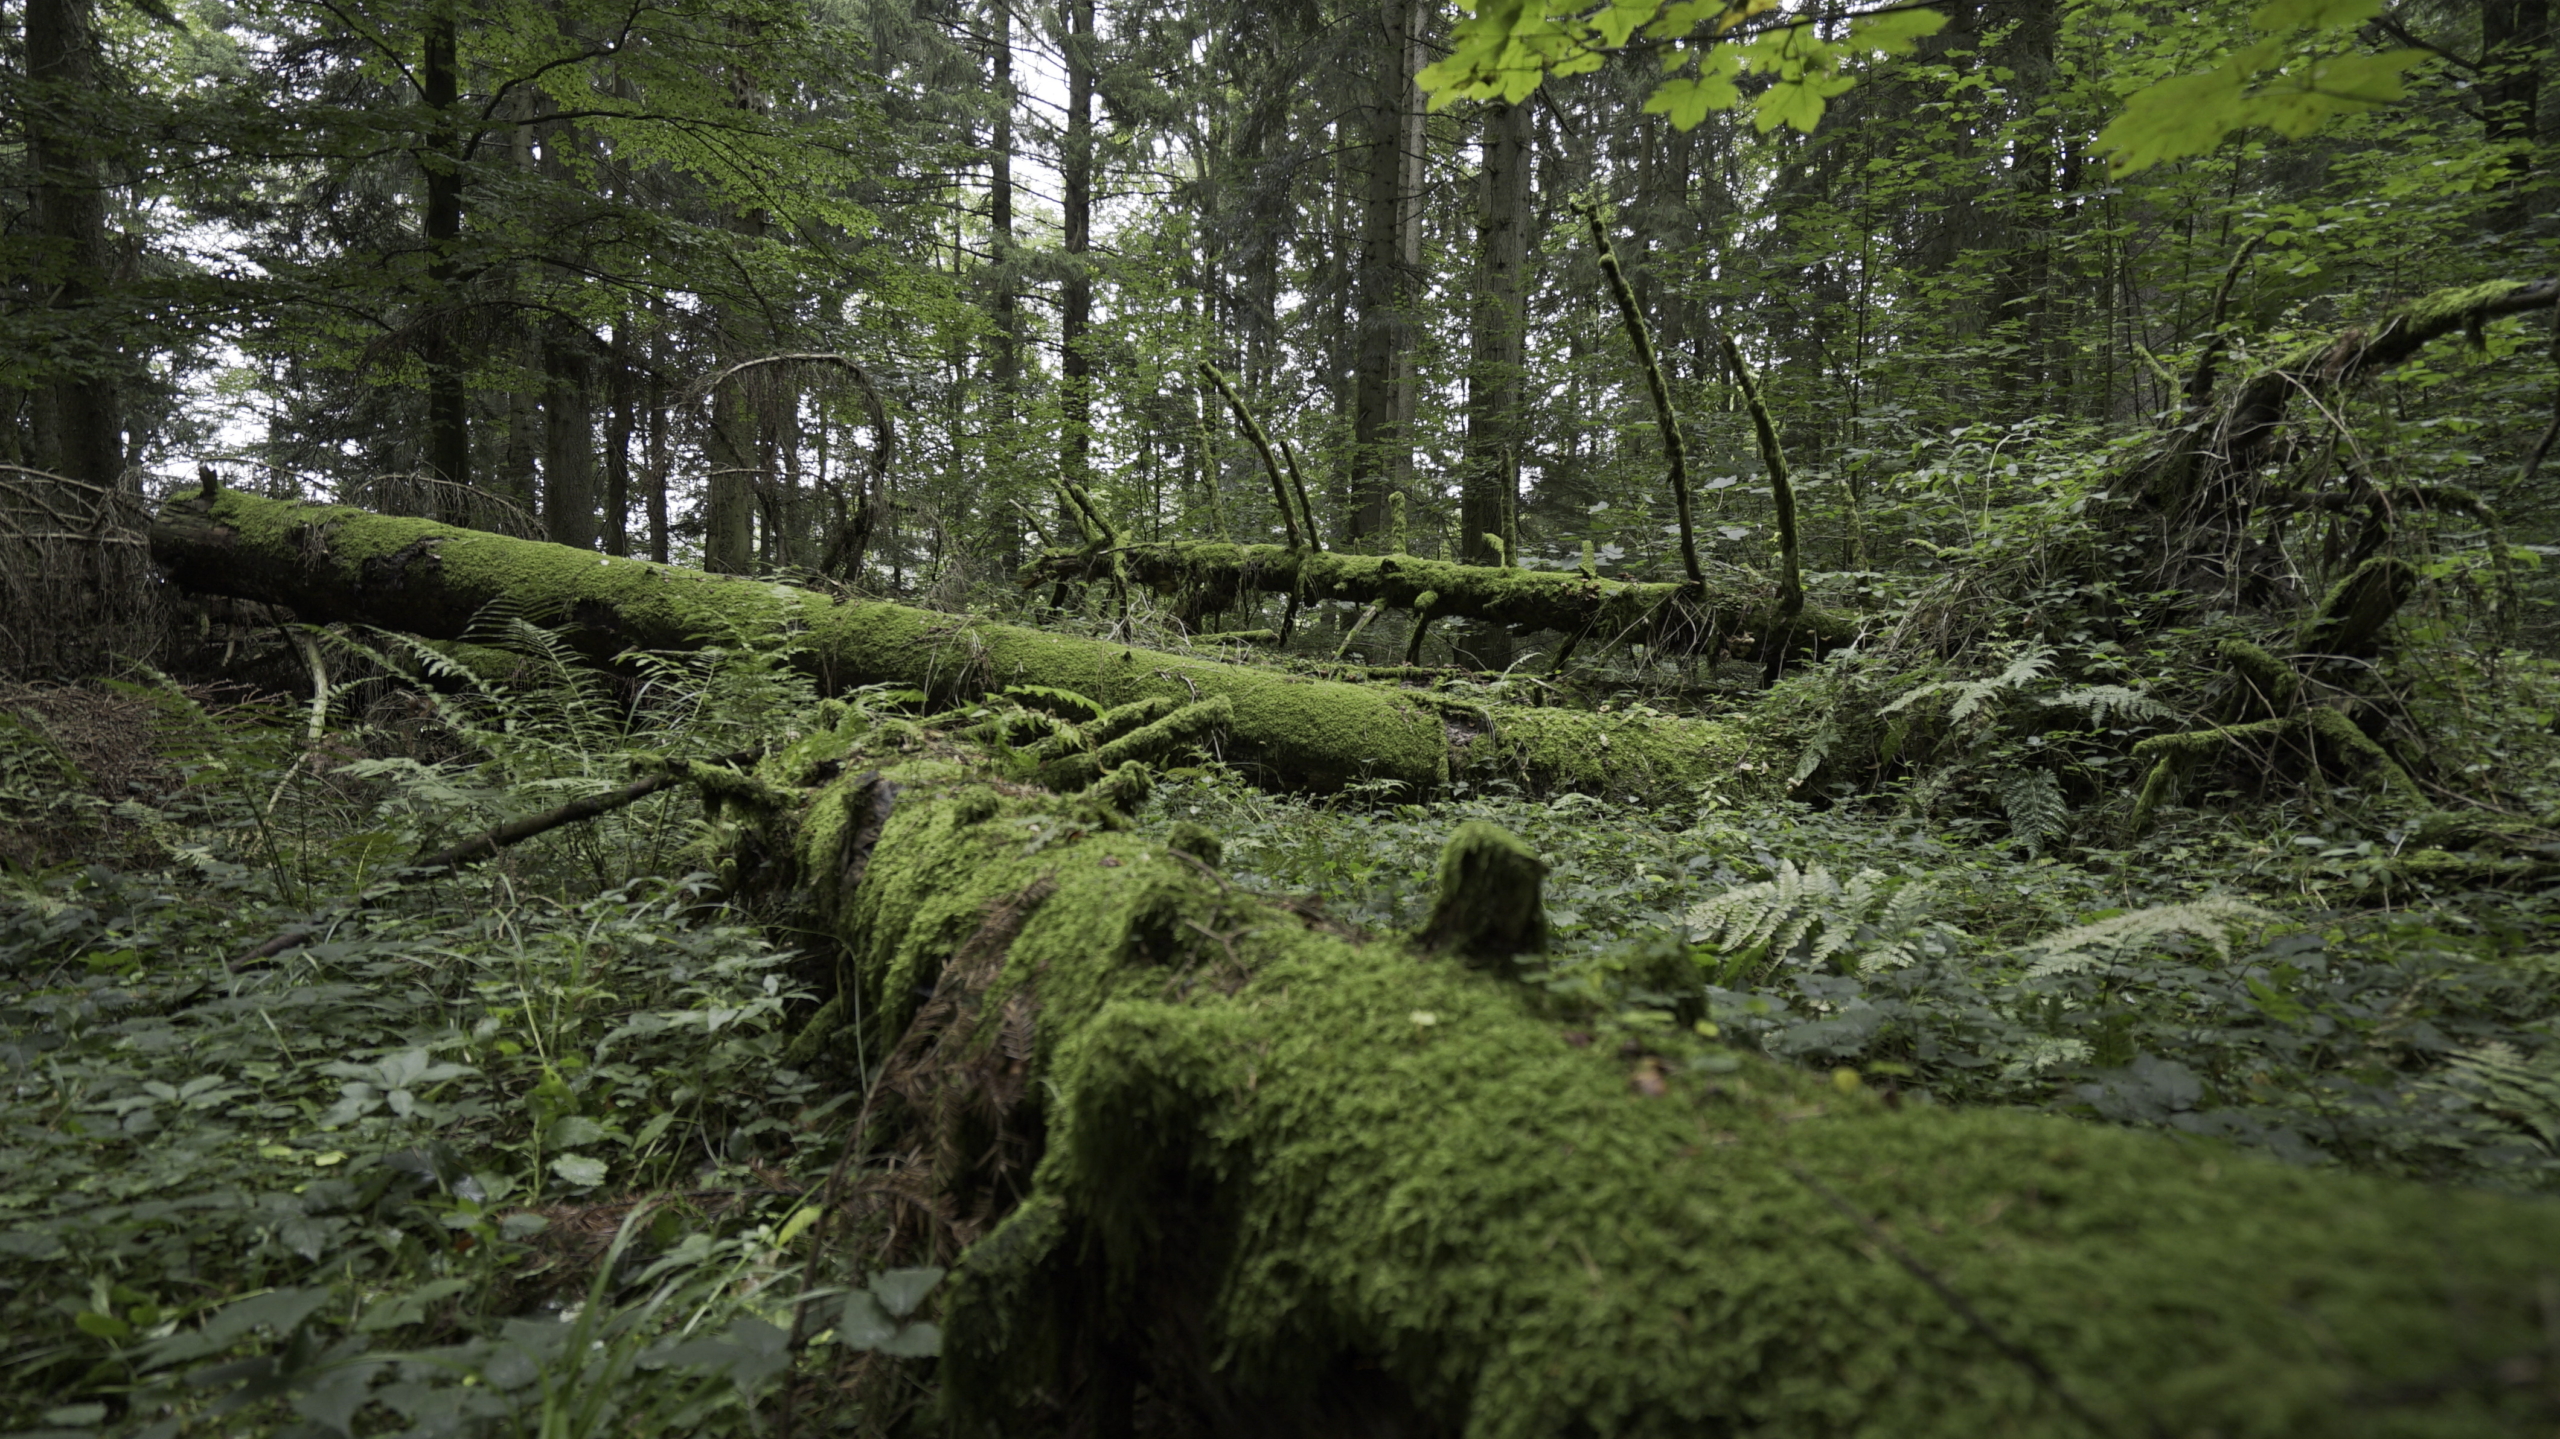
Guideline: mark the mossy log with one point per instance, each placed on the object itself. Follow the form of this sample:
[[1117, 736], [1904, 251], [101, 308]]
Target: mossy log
[[333, 563], [1209, 1164], [2207, 468], [1206, 576]]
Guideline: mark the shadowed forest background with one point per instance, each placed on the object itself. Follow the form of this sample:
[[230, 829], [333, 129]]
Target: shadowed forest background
[[1348, 638]]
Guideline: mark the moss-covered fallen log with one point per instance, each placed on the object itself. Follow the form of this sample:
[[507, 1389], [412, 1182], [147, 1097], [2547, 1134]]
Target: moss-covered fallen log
[[333, 563], [1208, 576], [1211, 1165]]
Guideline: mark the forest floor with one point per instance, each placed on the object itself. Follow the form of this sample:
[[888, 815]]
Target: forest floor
[[357, 1183]]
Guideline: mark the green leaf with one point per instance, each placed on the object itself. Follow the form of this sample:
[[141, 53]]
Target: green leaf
[[1686, 100], [864, 1324], [579, 1169], [2277, 16], [102, 1326], [901, 1290], [916, 1341]]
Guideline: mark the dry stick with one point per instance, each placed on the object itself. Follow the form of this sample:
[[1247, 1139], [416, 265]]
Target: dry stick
[[1375, 609], [853, 530], [1783, 491], [1669, 423], [2200, 379], [513, 832], [1298, 482], [2016, 1354], [1253, 431]]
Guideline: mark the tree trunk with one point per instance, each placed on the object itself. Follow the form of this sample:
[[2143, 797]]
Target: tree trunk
[[448, 446], [2515, 40], [1075, 173], [1206, 577], [568, 445], [337, 564], [1390, 244], [1489, 492], [1243, 1170], [78, 430]]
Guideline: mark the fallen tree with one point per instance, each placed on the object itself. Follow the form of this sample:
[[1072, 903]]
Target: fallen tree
[[334, 564], [1209, 1164], [1205, 577]]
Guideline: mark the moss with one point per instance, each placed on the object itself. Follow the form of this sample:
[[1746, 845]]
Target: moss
[[2351, 617], [1285, 730], [1489, 907], [2271, 680], [1352, 1182], [1729, 601]]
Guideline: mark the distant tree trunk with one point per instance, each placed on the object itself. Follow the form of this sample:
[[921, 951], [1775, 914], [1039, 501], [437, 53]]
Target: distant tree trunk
[[78, 431], [1390, 253], [658, 466], [729, 453], [1006, 342], [568, 445], [1491, 484], [617, 442], [2515, 36], [448, 446], [1075, 173]]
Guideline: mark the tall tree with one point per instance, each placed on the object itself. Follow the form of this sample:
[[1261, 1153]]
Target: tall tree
[[77, 430], [1075, 177], [1498, 354], [1384, 389]]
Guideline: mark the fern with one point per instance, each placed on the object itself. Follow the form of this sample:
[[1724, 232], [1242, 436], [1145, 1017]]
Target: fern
[[2521, 1093], [1808, 918], [2104, 943], [2100, 702], [2028, 666], [2033, 800]]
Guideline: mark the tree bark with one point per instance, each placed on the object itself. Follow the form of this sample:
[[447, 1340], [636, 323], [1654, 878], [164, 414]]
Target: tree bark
[[448, 447], [1490, 486], [332, 563], [1206, 578], [78, 423], [568, 445], [1075, 174], [1241, 1169], [1390, 254]]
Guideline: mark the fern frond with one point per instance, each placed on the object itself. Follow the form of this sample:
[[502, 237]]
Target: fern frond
[[2099, 702], [2033, 801], [2106, 942], [1808, 919]]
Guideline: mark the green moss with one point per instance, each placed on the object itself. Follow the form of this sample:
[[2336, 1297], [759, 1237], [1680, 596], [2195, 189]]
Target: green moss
[[1351, 1160], [2351, 617], [1330, 1182], [2271, 681], [1732, 600]]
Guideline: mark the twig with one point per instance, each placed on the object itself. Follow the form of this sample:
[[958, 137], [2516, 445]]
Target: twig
[[1674, 452], [2015, 1353], [1253, 431]]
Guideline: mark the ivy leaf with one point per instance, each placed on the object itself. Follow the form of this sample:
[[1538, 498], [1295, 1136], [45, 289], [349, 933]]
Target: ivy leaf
[[901, 1290]]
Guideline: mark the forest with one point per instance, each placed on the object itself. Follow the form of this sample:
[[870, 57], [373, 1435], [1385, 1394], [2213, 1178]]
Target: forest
[[904, 717]]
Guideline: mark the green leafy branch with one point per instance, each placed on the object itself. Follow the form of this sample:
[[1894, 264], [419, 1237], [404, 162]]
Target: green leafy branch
[[2278, 82], [1506, 47]]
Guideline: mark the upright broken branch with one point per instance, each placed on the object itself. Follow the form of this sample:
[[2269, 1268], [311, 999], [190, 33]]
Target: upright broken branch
[[1675, 453]]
